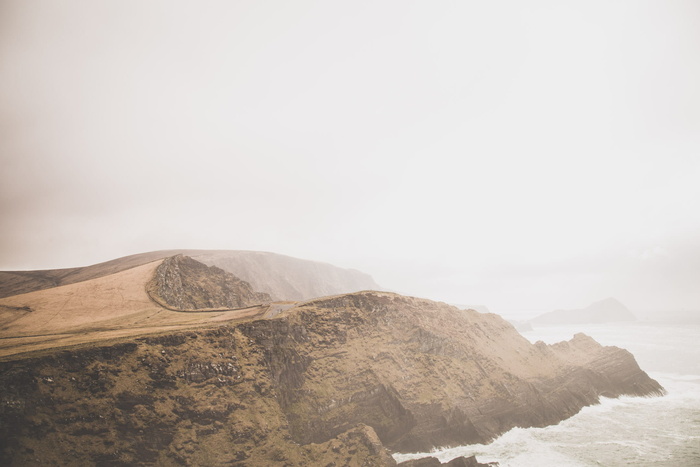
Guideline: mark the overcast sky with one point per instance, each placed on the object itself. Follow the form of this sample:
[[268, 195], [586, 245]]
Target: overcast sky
[[522, 155]]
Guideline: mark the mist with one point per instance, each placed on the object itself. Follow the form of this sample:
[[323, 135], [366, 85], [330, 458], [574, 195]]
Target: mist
[[523, 157]]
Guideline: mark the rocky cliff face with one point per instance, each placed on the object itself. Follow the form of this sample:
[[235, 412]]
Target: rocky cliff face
[[332, 380], [183, 284], [425, 374], [204, 398]]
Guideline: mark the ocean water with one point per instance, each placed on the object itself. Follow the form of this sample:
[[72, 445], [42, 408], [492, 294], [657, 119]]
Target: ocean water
[[628, 431]]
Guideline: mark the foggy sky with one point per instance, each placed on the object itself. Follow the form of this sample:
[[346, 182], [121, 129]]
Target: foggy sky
[[521, 155]]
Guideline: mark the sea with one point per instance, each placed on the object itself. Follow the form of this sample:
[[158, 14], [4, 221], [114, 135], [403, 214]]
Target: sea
[[626, 431]]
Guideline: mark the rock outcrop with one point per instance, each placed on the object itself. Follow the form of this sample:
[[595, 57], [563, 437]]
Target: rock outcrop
[[339, 379], [180, 283], [609, 310], [425, 374]]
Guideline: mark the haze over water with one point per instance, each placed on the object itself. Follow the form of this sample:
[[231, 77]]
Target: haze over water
[[521, 155], [629, 431]]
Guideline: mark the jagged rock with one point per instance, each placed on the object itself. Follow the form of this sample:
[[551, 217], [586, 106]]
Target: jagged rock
[[108, 406], [439, 375], [333, 380], [183, 284]]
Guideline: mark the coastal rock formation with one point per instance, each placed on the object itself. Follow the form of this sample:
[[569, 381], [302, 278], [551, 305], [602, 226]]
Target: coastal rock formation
[[338, 379], [609, 310], [197, 398], [180, 283], [426, 374]]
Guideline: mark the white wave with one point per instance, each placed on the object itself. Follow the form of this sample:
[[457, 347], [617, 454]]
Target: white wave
[[626, 431], [518, 447]]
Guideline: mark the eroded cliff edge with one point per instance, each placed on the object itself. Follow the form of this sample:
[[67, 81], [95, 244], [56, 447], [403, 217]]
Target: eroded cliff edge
[[332, 380], [181, 283]]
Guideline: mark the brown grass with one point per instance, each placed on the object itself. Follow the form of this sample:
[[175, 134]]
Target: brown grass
[[114, 306]]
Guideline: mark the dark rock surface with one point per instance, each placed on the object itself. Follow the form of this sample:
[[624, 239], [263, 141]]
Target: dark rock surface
[[193, 398], [183, 284], [426, 374], [329, 382]]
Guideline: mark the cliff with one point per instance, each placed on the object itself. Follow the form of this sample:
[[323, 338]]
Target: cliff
[[180, 283], [338, 379]]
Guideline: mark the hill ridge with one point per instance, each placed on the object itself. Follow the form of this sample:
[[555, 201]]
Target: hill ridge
[[283, 277]]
